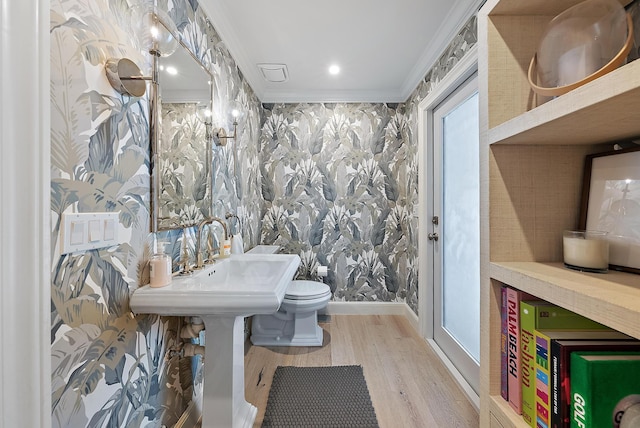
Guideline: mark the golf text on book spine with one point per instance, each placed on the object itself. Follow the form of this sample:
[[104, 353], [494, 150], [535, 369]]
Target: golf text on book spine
[[602, 386]]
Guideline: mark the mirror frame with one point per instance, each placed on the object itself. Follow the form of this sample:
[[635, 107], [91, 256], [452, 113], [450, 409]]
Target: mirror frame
[[158, 223]]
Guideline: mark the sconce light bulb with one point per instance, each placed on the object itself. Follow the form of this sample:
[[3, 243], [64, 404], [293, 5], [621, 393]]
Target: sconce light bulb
[[235, 113], [207, 113], [154, 29]]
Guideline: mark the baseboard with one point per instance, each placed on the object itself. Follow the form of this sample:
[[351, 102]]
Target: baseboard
[[365, 308], [413, 318], [473, 396], [373, 308]]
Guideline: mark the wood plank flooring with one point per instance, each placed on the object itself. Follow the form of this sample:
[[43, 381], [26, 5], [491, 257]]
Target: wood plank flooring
[[409, 385]]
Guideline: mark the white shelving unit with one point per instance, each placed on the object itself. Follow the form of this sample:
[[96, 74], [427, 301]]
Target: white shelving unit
[[531, 180]]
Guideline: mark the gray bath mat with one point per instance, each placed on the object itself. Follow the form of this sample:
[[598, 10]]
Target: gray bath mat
[[321, 397]]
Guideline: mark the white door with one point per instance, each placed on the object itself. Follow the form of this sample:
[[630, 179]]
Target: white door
[[455, 229]]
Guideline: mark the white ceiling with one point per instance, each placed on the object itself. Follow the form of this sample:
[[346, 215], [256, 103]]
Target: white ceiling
[[383, 47]]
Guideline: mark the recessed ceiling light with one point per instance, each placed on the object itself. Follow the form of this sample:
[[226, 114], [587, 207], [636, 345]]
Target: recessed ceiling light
[[334, 69], [172, 70]]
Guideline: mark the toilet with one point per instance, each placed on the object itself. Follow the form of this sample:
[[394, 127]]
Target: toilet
[[296, 322]]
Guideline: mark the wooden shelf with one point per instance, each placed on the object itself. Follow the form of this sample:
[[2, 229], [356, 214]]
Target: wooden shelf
[[593, 113], [612, 298], [532, 7], [504, 414], [532, 159]]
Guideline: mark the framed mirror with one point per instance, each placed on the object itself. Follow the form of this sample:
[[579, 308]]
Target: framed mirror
[[181, 176]]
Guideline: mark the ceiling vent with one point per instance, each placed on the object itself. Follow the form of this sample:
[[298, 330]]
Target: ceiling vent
[[274, 73]]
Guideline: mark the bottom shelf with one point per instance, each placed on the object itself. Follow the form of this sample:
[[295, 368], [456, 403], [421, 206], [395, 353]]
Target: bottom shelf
[[504, 414]]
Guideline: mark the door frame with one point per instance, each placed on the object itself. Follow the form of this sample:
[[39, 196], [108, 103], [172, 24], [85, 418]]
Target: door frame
[[464, 69], [25, 225]]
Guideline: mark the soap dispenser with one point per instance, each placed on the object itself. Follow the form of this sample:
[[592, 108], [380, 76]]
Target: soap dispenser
[[160, 268], [225, 251]]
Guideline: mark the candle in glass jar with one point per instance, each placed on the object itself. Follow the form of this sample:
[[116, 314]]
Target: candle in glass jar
[[586, 249], [160, 268]]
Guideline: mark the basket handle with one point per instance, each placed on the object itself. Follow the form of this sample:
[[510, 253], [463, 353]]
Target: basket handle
[[616, 62]]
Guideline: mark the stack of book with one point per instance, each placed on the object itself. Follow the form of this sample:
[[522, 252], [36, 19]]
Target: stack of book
[[538, 340]]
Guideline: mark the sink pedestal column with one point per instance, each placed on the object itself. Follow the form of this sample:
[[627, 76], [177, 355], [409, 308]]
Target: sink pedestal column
[[223, 402]]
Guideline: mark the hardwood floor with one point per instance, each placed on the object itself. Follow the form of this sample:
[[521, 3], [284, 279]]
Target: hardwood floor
[[408, 384]]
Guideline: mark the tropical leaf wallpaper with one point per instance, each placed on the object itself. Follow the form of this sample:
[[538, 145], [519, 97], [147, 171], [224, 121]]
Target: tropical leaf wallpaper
[[109, 367], [340, 187], [335, 183], [336, 188], [185, 182]]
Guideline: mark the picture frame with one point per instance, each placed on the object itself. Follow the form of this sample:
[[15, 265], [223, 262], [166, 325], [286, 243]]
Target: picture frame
[[611, 203]]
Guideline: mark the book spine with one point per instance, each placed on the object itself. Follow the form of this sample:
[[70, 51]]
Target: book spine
[[558, 402], [527, 358], [580, 393], [513, 335], [542, 380], [504, 362]]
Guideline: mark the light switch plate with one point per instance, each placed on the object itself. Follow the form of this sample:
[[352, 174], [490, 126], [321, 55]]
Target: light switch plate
[[88, 231], [77, 232], [95, 230], [110, 229]]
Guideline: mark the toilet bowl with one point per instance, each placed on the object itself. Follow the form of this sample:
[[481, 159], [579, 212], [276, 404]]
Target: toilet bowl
[[296, 322]]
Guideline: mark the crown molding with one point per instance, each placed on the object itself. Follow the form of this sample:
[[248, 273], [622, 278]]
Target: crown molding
[[331, 97], [222, 24], [436, 47]]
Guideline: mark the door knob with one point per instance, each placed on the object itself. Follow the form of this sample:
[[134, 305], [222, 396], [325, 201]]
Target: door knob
[[433, 236]]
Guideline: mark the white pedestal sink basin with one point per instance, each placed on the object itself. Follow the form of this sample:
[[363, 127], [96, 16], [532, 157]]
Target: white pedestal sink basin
[[222, 295]]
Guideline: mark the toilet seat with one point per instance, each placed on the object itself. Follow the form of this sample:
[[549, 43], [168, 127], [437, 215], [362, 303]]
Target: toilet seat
[[306, 290]]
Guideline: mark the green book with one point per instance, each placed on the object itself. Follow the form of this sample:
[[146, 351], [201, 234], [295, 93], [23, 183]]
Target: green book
[[534, 315], [600, 382], [543, 380]]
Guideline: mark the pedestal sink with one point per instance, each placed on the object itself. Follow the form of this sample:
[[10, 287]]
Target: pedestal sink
[[222, 295]]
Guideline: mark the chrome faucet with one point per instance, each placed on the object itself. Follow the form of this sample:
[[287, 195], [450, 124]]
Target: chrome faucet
[[184, 259], [229, 216], [201, 226]]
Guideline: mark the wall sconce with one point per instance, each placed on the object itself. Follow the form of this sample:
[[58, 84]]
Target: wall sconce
[[220, 135], [155, 32], [204, 114]]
